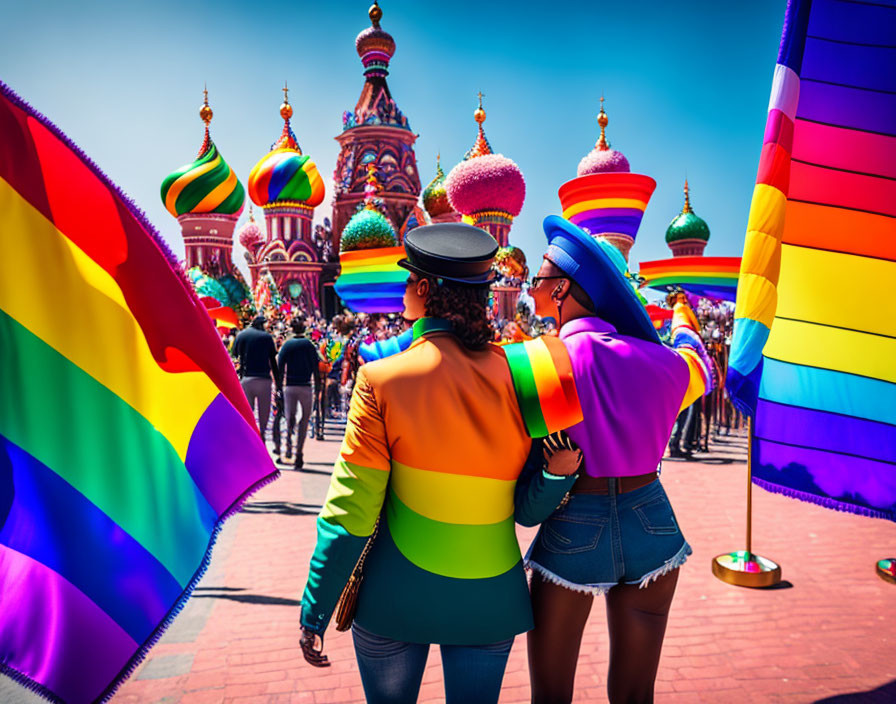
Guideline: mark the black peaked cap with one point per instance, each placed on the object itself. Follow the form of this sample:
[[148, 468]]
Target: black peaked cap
[[452, 251]]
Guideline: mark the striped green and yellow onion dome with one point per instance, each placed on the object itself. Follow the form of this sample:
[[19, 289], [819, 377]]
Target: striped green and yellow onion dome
[[207, 185]]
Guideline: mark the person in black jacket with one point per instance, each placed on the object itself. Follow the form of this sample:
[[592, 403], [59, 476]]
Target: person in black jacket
[[257, 355], [298, 363]]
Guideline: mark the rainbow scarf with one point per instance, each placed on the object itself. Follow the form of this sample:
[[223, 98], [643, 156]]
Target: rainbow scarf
[[815, 324], [125, 439], [544, 384], [371, 280], [713, 277]]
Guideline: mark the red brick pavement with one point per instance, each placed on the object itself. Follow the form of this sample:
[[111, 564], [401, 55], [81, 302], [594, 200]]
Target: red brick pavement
[[826, 634]]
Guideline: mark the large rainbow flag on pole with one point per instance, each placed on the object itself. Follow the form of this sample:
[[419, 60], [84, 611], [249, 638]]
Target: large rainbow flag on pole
[[125, 439], [814, 350]]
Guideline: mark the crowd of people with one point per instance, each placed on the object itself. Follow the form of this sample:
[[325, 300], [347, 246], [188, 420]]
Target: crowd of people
[[336, 343], [301, 369]]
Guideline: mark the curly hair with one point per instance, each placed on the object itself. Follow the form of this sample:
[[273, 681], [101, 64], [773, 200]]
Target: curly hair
[[465, 307]]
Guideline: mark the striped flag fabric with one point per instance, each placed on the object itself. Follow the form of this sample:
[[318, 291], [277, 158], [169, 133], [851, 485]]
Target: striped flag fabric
[[371, 280], [814, 349], [544, 384], [712, 277], [125, 438]]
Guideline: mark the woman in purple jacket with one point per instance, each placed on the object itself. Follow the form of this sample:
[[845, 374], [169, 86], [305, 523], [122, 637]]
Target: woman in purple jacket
[[617, 534]]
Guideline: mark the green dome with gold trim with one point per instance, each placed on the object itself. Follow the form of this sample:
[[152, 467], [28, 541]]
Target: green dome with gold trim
[[687, 225], [206, 185]]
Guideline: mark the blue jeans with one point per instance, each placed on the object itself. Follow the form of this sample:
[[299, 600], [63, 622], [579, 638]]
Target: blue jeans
[[597, 541], [391, 671]]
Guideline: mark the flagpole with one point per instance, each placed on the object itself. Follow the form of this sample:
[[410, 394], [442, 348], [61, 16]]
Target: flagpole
[[743, 568], [749, 485]]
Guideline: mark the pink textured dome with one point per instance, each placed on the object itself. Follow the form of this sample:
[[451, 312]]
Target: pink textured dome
[[601, 161], [250, 234], [490, 182]]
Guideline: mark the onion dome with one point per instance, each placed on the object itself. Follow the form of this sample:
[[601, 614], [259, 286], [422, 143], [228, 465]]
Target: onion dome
[[207, 185], [687, 225], [435, 199], [602, 159], [285, 176], [367, 229], [250, 234], [485, 181], [374, 45]]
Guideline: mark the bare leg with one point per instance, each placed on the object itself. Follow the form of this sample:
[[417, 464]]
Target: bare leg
[[637, 622], [560, 617]]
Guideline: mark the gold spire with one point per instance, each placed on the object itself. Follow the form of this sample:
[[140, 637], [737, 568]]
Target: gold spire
[[285, 108], [205, 112], [602, 120], [375, 13], [479, 115], [687, 198]]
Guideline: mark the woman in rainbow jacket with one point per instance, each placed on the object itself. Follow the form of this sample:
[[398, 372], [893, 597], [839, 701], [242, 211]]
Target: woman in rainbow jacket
[[617, 534], [436, 438]]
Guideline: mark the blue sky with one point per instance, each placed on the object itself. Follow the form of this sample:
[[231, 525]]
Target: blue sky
[[686, 86]]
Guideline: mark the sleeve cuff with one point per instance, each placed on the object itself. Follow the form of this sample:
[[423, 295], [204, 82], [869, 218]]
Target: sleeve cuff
[[548, 475]]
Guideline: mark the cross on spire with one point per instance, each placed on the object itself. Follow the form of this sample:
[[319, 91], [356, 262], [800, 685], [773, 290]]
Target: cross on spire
[[602, 120]]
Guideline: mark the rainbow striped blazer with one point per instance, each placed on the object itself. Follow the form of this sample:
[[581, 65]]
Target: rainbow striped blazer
[[437, 436]]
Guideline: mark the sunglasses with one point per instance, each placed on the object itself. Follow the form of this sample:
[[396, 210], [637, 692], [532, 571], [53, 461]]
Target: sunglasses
[[538, 279]]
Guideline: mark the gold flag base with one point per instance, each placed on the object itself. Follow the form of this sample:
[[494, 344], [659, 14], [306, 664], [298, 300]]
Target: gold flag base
[[745, 569], [886, 570]]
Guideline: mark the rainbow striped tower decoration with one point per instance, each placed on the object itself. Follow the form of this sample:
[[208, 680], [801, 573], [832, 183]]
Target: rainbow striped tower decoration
[[606, 199], [206, 198], [286, 184], [371, 280]]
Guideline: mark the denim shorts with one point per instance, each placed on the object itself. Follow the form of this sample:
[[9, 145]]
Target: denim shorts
[[597, 541]]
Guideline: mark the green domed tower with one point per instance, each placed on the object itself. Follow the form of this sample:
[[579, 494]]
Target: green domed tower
[[206, 198], [687, 234], [435, 198]]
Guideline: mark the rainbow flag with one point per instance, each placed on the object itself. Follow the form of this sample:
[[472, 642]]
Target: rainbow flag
[[371, 280], [713, 277], [814, 349], [125, 439]]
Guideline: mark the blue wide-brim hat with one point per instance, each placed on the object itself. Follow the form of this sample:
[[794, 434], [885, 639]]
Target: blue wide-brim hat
[[593, 265]]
